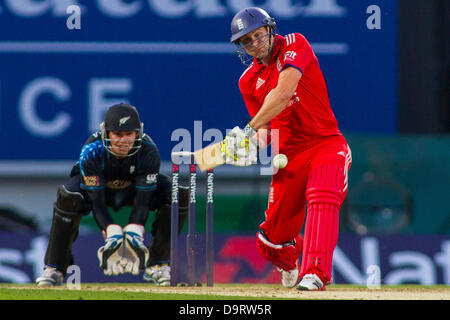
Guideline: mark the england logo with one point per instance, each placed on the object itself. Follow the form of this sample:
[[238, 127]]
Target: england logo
[[240, 24]]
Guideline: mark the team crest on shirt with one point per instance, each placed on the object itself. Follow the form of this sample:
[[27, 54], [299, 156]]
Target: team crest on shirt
[[132, 168]]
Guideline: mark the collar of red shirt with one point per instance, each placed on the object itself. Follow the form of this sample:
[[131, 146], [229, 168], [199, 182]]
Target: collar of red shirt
[[278, 41]]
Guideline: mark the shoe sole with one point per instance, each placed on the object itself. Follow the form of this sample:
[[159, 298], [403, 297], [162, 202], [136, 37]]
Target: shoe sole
[[296, 281], [164, 284], [303, 288], [150, 279], [47, 283], [289, 287]]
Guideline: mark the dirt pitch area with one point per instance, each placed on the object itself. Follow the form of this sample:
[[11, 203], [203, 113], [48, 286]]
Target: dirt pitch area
[[269, 292]]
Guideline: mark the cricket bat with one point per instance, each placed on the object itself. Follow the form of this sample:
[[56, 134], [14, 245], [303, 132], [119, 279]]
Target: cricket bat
[[209, 157]]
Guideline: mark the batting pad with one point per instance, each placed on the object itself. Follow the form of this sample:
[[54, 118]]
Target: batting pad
[[324, 194]]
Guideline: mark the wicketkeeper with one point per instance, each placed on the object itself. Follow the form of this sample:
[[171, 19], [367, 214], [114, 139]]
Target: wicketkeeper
[[118, 166]]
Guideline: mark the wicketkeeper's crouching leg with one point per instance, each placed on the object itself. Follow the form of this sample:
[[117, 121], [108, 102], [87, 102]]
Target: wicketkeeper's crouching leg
[[68, 210]]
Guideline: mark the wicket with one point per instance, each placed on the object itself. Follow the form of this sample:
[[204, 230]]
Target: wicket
[[191, 236]]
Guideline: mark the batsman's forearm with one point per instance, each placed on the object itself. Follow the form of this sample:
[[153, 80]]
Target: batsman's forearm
[[263, 137], [275, 103], [278, 98]]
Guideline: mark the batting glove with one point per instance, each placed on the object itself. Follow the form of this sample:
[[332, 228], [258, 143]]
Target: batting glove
[[136, 253], [109, 256], [239, 148]]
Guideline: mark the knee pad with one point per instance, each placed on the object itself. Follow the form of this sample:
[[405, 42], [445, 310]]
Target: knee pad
[[284, 256], [326, 185], [70, 203]]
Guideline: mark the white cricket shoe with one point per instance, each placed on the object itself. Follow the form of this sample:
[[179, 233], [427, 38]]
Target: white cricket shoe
[[50, 277], [289, 278], [150, 273], [158, 274], [311, 282], [164, 275]]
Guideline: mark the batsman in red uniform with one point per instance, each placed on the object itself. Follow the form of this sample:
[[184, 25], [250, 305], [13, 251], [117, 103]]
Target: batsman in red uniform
[[284, 90]]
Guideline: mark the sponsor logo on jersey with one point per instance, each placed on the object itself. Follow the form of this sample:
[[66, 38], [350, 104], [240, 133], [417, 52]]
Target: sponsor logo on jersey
[[91, 181], [151, 178], [293, 100], [118, 184], [271, 200], [290, 55], [259, 83]]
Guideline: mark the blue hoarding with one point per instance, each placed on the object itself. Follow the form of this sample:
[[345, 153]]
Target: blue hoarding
[[172, 59], [371, 260]]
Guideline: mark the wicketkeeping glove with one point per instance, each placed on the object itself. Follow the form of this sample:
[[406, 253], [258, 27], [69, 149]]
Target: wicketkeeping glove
[[239, 148], [109, 256], [136, 253]]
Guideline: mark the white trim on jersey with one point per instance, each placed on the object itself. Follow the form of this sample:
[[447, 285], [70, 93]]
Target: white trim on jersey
[[245, 71], [290, 38], [348, 161]]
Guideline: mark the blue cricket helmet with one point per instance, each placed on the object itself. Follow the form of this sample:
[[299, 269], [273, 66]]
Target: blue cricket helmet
[[249, 19]]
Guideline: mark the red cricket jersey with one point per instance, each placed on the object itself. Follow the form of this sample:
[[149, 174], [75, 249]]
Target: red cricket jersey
[[308, 115]]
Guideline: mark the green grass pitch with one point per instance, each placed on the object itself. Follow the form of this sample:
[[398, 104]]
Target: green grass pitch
[[115, 291]]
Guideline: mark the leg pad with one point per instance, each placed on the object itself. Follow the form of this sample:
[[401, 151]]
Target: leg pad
[[324, 193]]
